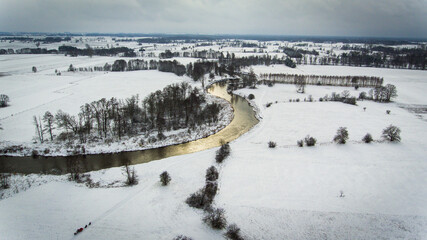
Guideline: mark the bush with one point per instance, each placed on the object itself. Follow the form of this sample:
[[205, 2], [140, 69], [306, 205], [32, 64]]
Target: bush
[[130, 173], [233, 232], [388, 111], [392, 134], [216, 218], [165, 178], [268, 104], [271, 144], [251, 96], [203, 198], [4, 99], [222, 153], [182, 237], [310, 141], [211, 174], [342, 135], [351, 101], [367, 138], [300, 143]]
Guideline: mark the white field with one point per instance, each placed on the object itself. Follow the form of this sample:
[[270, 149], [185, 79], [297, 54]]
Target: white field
[[282, 193]]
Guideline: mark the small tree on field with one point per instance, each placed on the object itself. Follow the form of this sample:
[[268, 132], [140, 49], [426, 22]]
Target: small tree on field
[[34, 69], [367, 138], [216, 218], [392, 134], [342, 135], [130, 173], [39, 129], [4, 180], [310, 141], [233, 232], [182, 237], [300, 143], [74, 168], [165, 178]]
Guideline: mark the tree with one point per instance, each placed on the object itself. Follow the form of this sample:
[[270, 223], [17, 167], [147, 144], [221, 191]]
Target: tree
[[34, 69], [71, 68], [345, 94], [390, 92], [39, 128], [342, 135], [48, 120], [211, 174], [165, 178], [300, 83], [222, 153], [130, 173], [392, 134]]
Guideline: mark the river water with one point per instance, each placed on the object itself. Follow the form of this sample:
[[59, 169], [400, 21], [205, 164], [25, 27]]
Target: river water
[[244, 119]]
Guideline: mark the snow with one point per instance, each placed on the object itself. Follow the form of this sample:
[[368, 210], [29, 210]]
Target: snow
[[282, 193]]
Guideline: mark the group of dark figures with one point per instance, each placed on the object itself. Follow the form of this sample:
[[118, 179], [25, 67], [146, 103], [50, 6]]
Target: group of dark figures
[[79, 230]]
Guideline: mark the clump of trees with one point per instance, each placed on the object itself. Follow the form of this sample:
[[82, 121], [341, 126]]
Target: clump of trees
[[342, 135], [88, 51], [233, 232], [204, 197], [310, 141], [175, 107], [271, 144], [383, 93]]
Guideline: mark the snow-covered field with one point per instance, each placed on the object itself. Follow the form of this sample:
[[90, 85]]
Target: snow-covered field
[[282, 193]]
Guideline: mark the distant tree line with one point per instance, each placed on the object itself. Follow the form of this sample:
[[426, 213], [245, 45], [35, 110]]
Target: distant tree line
[[298, 53], [347, 81], [42, 40], [88, 51], [175, 107]]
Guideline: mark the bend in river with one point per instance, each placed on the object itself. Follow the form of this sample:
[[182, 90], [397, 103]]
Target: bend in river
[[244, 119]]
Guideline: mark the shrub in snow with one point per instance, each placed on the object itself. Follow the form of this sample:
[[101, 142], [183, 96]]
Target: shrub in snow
[[4, 180], [356, 87], [34, 69], [342, 135], [203, 198], [268, 104], [216, 218], [388, 111], [271, 144], [310, 141], [351, 101], [75, 169], [297, 100], [222, 153], [233, 232], [362, 95], [320, 99], [211, 174], [4, 99], [165, 178], [182, 237], [300, 143], [251, 96], [367, 138], [130, 173], [392, 134]]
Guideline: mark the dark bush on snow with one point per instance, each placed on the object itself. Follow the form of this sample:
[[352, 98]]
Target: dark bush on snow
[[233, 232], [182, 237], [310, 141], [211, 174], [251, 96], [342, 135], [216, 218], [222, 153], [367, 138], [271, 144], [392, 134], [165, 178], [300, 143], [203, 198]]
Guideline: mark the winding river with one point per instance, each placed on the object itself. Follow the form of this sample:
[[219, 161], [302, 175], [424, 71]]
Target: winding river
[[244, 119]]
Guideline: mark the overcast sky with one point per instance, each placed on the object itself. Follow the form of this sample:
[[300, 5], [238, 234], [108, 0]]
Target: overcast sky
[[383, 18]]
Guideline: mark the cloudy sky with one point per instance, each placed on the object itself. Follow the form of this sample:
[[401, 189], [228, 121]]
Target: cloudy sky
[[384, 18]]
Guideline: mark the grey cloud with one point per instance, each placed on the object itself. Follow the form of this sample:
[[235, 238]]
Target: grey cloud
[[288, 17]]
